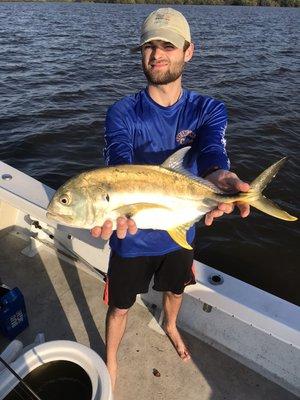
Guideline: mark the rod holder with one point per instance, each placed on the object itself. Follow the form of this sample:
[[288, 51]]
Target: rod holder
[[207, 307]]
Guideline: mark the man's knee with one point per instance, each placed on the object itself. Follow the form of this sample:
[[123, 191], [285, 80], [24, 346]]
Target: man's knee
[[117, 312], [173, 295]]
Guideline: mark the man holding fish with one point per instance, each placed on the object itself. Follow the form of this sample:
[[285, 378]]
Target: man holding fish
[[167, 167], [146, 128]]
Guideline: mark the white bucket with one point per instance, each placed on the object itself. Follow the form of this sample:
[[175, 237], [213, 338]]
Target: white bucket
[[60, 350]]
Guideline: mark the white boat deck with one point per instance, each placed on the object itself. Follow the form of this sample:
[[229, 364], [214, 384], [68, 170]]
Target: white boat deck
[[64, 302]]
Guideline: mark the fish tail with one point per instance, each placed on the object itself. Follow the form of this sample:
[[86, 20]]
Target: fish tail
[[255, 198]]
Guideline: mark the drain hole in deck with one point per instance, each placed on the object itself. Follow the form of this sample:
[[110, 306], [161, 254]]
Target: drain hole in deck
[[57, 380], [216, 279]]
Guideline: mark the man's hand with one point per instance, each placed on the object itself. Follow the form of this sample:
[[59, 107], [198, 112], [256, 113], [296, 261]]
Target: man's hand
[[124, 225], [227, 181]]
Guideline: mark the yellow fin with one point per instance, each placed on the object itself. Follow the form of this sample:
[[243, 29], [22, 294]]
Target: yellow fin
[[129, 210], [178, 234], [255, 198], [268, 207]]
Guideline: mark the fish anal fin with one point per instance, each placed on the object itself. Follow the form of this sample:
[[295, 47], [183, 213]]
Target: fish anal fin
[[178, 234]]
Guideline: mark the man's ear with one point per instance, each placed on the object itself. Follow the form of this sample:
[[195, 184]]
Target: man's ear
[[189, 52]]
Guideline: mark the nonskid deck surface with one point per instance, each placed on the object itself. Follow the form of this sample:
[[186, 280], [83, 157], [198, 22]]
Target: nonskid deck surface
[[66, 303]]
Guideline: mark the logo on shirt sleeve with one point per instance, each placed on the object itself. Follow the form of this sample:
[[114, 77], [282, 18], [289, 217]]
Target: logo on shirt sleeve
[[185, 137]]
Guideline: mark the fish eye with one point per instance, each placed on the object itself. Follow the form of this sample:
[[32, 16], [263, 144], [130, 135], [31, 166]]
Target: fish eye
[[107, 197], [65, 200]]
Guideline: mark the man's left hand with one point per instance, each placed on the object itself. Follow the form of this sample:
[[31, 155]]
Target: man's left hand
[[228, 182]]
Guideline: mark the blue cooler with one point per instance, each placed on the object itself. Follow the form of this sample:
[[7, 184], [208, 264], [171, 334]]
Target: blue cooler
[[13, 317]]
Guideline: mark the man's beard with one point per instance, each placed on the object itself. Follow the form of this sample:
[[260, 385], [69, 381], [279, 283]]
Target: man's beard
[[163, 78]]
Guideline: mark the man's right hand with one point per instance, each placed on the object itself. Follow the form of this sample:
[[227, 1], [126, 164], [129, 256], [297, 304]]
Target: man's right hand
[[124, 225]]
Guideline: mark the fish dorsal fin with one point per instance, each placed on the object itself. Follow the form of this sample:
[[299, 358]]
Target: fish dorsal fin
[[129, 210], [178, 234], [175, 163], [175, 160]]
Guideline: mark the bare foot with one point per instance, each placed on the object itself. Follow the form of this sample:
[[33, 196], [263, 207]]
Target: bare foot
[[178, 343], [112, 369]]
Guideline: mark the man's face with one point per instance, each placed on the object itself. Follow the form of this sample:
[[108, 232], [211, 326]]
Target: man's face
[[163, 63]]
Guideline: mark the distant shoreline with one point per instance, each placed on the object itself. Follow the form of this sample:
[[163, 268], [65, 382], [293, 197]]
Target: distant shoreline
[[255, 3]]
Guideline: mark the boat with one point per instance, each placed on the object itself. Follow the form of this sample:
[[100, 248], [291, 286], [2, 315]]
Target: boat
[[250, 329]]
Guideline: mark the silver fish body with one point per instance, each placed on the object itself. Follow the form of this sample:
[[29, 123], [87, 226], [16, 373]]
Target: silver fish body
[[163, 197]]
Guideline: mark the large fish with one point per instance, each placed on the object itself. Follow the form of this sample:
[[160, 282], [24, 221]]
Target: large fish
[[163, 197]]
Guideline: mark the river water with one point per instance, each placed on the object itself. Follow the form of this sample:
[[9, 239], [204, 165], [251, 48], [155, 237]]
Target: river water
[[62, 65]]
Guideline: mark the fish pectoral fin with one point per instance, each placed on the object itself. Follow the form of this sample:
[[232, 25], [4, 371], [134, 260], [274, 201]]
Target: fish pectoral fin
[[129, 210], [178, 234]]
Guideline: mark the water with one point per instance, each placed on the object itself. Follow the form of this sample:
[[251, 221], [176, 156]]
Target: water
[[55, 380], [62, 65]]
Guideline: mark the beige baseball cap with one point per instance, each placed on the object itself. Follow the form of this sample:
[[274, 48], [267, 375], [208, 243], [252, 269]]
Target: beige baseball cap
[[165, 24]]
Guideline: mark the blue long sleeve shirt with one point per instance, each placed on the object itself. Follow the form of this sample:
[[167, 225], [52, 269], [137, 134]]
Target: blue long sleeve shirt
[[140, 131]]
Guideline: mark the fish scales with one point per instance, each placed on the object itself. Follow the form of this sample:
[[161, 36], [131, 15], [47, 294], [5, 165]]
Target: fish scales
[[157, 197], [146, 179]]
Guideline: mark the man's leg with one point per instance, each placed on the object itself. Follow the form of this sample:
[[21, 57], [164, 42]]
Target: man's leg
[[126, 278], [171, 304], [174, 274], [116, 319]]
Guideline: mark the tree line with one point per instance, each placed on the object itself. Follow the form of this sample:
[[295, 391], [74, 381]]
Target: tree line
[[264, 3]]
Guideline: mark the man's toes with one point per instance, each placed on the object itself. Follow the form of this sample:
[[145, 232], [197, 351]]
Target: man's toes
[[185, 355]]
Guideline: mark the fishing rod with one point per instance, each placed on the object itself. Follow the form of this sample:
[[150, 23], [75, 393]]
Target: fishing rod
[[23, 384], [76, 256]]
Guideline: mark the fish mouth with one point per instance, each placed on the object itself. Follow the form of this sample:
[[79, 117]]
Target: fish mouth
[[59, 217]]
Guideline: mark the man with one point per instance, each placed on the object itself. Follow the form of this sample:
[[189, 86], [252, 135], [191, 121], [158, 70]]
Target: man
[[146, 128]]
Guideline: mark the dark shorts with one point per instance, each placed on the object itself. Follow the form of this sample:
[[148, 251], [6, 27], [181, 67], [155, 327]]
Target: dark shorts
[[128, 277]]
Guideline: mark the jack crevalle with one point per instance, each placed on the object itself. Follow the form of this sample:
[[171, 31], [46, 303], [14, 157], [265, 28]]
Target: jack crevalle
[[163, 197]]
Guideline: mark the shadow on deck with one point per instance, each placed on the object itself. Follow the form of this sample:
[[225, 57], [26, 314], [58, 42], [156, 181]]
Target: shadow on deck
[[64, 302]]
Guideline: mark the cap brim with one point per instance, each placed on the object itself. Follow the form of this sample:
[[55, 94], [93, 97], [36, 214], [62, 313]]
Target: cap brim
[[161, 34]]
